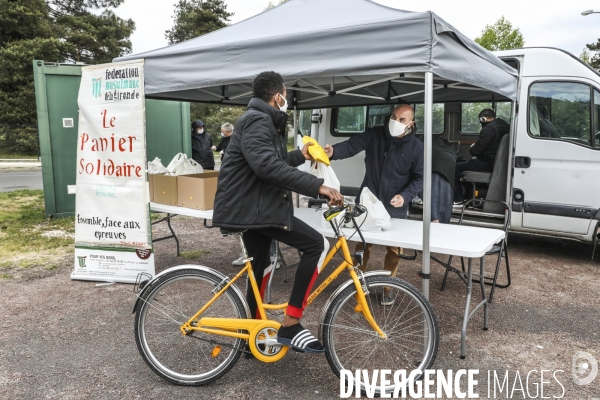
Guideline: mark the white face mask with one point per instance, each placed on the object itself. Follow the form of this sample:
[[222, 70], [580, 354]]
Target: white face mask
[[285, 104], [397, 129], [200, 131], [223, 135]]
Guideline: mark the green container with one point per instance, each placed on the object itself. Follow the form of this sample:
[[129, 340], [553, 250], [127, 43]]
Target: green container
[[56, 91]]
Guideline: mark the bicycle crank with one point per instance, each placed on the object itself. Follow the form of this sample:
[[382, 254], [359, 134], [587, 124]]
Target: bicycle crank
[[263, 342]]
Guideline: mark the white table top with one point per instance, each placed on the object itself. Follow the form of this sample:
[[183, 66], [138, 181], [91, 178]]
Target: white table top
[[465, 241], [189, 212]]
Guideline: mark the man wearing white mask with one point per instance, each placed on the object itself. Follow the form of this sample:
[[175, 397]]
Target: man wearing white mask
[[394, 170]]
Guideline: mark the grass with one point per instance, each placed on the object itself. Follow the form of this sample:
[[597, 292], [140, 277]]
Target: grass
[[194, 254], [23, 226], [6, 155]]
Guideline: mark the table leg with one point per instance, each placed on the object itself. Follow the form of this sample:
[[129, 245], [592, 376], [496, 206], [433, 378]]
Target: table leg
[[463, 337], [172, 235], [482, 284]]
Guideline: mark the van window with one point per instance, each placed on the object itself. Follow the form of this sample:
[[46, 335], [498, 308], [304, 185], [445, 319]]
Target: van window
[[304, 122], [469, 115], [438, 118], [349, 121], [560, 110], [596, 131]]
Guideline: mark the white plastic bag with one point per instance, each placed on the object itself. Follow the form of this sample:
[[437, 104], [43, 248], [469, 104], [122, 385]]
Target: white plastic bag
[[194, 166], [176, 161], [376, 218], [325, 172], [155, 167]]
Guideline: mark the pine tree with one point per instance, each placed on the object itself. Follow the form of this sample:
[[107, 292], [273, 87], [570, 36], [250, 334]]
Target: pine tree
[[197, 17], [26, 34]]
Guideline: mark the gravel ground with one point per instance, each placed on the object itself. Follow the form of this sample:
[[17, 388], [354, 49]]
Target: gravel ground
[[64, 339]]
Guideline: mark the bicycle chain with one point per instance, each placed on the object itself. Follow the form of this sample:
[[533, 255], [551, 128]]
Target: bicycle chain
[[212, 341]]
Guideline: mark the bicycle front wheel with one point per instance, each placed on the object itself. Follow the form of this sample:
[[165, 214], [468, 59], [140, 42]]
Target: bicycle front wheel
[[196, 358], [409, 323]]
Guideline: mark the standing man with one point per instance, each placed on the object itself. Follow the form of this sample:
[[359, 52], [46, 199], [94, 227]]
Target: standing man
[[484, 149], [254, 195], [226, 131], [201, 146], [394, 172]]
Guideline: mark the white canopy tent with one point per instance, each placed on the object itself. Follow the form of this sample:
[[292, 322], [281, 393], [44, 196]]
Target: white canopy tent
[[334, 53]]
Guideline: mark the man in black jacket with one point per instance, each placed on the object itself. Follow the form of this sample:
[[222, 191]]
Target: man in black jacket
[[226, 131], [201, 146], [254, 194], [492, 131], [394, 171]]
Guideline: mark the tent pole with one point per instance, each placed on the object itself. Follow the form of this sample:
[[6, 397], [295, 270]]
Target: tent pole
[[425, 268], [296, 143]]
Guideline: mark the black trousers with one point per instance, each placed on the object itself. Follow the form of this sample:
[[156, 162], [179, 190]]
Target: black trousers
[[474, 165], [311, 244]]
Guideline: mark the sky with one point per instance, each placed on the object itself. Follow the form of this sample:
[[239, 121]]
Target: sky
[[548, 23]]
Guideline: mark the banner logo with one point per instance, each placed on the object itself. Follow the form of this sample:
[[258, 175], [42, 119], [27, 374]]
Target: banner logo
[[96, 87]]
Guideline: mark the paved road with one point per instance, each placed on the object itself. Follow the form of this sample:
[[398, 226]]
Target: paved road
[[16, 179]]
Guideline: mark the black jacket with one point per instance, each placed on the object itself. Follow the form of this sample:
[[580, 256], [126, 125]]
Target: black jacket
[[223, 145], [489, 140], [443, 159], [201, 148], [393, 165], [258, 174]]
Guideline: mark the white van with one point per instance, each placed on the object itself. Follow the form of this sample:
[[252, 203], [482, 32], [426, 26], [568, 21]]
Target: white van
[[550, 175]]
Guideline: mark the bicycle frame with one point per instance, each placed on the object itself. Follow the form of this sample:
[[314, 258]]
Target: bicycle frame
[[231, 326]]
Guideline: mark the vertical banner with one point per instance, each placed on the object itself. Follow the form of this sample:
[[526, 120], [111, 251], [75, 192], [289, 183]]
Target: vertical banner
[[113, 236]]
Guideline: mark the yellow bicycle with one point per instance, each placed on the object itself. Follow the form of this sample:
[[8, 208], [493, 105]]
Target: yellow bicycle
[[192, 325]]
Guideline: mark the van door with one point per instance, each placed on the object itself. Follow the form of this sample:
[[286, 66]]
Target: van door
[[557, 162]]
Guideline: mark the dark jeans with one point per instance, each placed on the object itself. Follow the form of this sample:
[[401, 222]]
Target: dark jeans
[[474, 165], [304, 238]]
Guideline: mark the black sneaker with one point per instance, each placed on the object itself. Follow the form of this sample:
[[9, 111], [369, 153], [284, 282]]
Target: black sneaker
[[299, 339]]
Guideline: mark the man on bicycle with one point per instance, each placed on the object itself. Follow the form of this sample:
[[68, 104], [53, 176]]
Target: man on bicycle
[[254, 194]]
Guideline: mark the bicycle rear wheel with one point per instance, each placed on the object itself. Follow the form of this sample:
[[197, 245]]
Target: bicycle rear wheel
[[197, 358], [409, 323]]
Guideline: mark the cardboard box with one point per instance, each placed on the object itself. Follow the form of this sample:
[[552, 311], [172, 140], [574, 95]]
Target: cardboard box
[[197, 190], [165, 189], [151, 187]]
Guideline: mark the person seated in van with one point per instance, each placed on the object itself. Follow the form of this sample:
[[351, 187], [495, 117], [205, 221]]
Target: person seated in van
[[484, 149], [394, 171]]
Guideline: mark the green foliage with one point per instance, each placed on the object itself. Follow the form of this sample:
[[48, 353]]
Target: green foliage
[[214, 116], [593, 59], [500, 36], [271, 5], [197, 17], [57, 31]]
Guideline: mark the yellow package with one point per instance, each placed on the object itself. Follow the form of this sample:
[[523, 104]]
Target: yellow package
[[316, 151]]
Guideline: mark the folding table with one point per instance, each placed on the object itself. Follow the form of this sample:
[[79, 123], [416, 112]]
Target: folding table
[[466, 241]]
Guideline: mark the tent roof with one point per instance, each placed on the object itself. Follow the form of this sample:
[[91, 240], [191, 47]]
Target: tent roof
[[330, 53]]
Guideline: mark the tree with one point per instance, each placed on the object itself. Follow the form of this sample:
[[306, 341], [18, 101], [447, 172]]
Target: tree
[[197, 17], [271, 5], [593, 58], [58, 31], [90, 36], [500, 36]]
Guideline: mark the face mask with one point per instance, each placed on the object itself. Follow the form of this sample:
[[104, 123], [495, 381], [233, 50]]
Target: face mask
[[285, 104], [223, 135], [397, 129], [200, 131]]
